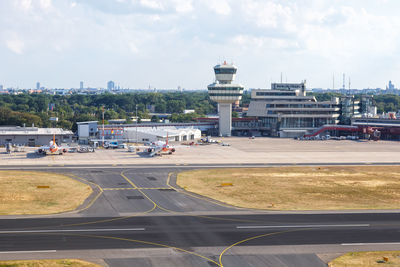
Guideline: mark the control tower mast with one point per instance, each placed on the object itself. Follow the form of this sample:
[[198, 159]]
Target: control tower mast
[[225, 93]]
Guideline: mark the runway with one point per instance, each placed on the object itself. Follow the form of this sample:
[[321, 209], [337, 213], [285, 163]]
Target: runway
[[142, 209], [185, 166], [198, 231]]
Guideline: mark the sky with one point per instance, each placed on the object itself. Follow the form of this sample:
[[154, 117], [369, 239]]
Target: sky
[[171, 43]]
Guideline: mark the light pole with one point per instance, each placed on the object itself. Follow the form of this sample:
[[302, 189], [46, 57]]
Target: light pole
[[136, 126], [103, 125]]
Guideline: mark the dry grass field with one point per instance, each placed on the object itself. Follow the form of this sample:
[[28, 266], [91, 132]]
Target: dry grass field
[[47, 263], [299, 188], [367, 259], [20, 194]]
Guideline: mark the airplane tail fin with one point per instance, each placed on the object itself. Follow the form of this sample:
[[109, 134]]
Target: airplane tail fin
[[167, 140], [54, 139]]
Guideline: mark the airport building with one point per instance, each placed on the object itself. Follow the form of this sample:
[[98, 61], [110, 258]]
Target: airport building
[[143, 135], [142, 132], [87, 130], [225, 93], [285, 110], [33, 136]]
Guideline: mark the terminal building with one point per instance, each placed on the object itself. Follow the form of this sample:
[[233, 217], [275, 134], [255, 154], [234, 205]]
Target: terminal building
[[285, 110]]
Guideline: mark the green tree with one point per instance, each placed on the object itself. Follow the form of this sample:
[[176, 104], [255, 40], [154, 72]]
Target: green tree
[[155, 118]]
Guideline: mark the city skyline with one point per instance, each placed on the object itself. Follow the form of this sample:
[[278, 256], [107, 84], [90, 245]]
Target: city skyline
[[171, 43], [111, 86]]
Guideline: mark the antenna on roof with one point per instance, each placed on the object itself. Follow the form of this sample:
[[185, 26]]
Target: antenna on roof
[[344, 81], [281, 77], [349, 85]]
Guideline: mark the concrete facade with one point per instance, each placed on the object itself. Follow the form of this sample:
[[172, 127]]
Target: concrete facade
[[225, 119], [32, 136], [225, 93], [286, 110], [160, 134], [87, 130], [118, 132]]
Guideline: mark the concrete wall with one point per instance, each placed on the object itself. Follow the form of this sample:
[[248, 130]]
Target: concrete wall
[[143, 136], [87, 129], [288, 134], [32, 140], [225, 119]]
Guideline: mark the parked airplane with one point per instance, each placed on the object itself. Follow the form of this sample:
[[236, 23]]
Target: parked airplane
[[160, 147], [52, 148]]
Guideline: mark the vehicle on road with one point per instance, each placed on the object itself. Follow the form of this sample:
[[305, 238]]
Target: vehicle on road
[[86, 149], [112, 145]]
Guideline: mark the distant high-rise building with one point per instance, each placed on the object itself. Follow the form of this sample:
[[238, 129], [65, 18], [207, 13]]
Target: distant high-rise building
[[390, 86], [110, 85], [1, 87], [38, 86], [81, 85]]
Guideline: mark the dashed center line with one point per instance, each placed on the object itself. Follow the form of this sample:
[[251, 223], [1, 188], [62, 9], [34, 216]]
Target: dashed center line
[[301, 226], [126, 188], [139, 188], [70, 230]]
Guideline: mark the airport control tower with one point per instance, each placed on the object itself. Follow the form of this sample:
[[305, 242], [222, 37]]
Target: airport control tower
[[225, 93]]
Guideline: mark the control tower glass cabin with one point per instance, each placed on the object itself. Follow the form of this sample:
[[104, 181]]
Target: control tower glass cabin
[[224, 92]]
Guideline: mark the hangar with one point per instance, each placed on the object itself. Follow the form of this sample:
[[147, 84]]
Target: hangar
[[33, 136], [146, 132], [158, 134]]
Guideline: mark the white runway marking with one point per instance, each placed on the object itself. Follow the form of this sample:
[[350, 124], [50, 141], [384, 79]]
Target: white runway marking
[[368, 244], [70, 230], [301, 226], [36, 251]]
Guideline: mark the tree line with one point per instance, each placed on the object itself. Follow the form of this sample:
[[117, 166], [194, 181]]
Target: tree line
[[37, 109]]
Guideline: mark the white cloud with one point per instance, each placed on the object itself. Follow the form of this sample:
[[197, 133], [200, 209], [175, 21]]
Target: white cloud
[[154, 4], [304, 38], [24, 4], [183, 6], [15, 45], [220, 7], [45, 4], [133, 47], [267, 13]]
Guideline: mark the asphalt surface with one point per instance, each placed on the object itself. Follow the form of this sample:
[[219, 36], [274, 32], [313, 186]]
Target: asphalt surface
[[166, 167], [198, 231], [142, 208]]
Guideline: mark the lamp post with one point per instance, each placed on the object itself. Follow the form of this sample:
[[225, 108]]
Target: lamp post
[[103, 124], [136, 126]]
